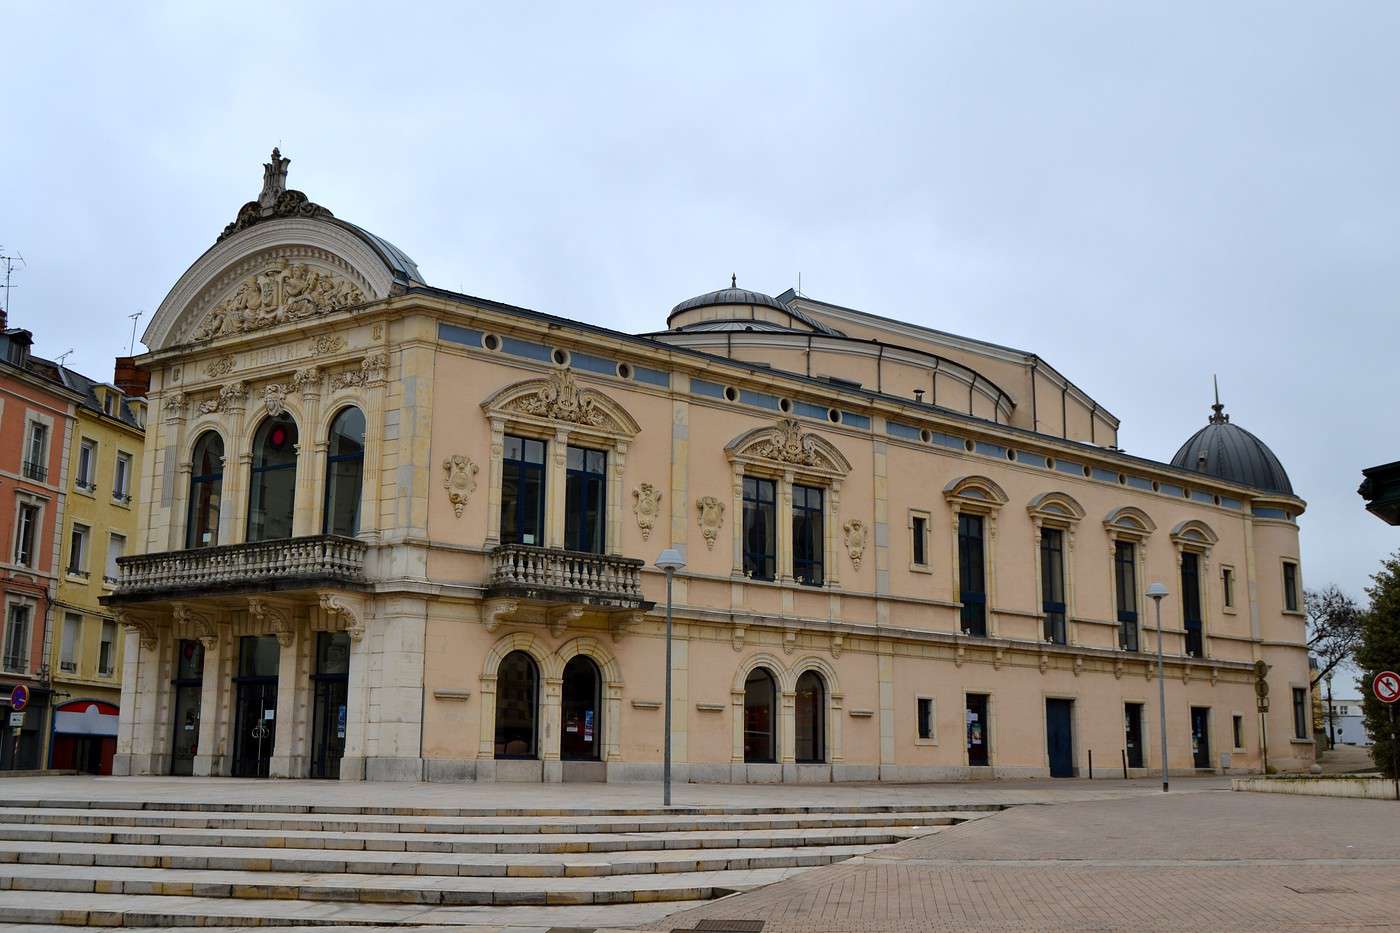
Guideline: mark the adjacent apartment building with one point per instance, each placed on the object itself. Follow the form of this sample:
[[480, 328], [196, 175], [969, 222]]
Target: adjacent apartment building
[[391, 531]]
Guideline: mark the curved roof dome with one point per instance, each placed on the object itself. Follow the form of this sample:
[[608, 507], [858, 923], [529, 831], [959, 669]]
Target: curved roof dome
[[1229, 452], [728, 296]]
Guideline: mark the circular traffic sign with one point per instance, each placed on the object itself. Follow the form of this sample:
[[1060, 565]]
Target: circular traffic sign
[[19, 697], [1386, 686]]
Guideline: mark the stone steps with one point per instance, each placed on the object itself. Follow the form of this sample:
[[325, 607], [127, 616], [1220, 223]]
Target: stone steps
[[198, 865]]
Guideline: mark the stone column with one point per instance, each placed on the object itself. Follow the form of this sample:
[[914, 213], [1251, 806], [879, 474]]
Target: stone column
[[554, 483], [311, 456], [617, 460], [551, 724], [209, 760], [352, 763], [238, 459], [736, 518], [738, 774], [784, 568], [787, 734], [144, 665], [286, 760], [393, 749], [493, 483]]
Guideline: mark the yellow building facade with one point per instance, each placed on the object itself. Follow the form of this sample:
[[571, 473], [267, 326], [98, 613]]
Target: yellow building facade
[[393, 532], [99, 525]]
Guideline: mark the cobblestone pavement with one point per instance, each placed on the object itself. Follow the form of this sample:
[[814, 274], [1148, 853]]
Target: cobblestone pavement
[[1180, 861]]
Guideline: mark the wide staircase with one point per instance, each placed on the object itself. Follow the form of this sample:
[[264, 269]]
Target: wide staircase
[[141, 864]]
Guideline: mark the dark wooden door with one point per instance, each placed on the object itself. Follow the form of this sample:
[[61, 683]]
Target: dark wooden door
[[1059, 736]]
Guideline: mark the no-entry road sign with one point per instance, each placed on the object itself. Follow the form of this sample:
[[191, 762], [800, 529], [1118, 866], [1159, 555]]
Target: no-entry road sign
[[1386, 686]]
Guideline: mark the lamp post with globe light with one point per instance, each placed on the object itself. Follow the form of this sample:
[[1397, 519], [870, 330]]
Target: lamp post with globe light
[[1156, 591], [670, 561]]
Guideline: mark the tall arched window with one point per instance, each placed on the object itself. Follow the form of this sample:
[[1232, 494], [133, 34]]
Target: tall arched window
[[345, 465], [809, 718], [272, 490], [206, 490], [580, 738], [760, 716], [517, 706]]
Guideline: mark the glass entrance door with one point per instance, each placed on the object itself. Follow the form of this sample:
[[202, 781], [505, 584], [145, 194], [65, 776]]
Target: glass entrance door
[[582, 726], [189, 687], [330, 685], [1132, 734], [255, 705]]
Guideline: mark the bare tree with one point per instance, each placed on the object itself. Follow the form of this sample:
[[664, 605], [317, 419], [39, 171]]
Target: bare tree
[[1334, 628]]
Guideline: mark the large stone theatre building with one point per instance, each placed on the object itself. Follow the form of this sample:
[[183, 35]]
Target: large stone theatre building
[[392, 532]]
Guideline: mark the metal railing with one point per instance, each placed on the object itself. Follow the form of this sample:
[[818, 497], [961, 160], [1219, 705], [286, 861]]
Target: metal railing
[[36, 471], [325, 557], [523, 567]]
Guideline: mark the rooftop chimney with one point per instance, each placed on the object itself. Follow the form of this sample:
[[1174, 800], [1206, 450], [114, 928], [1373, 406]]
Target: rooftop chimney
[[133, 380]]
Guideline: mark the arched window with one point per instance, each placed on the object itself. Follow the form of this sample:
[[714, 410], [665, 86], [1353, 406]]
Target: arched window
[[760, 716], [206, 489], [517, 706], [272, 490], [809, 718], [345, 465], [582, 711]]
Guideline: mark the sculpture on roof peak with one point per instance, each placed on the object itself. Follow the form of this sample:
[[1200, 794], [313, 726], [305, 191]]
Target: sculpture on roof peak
[[275, 200]]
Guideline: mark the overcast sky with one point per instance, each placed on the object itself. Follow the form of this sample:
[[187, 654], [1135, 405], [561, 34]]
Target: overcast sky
[[1142, 194]]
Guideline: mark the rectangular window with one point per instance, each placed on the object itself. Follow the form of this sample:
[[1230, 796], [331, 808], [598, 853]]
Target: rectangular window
[[26, 534], [87, 465], [522, 491], [760, 528], [807, 535], [36, 450], [17, 638], [1300, 713], [585, 497], [979, 734], [116, 547], [1191, 603], [1125, 585], [1227, 585], [72, 637], [1238, 730], [1052, 584], [121, 480], [1290, 586], [972, 575], [927, 726], [78, 550], [107, 650], [919, 529]]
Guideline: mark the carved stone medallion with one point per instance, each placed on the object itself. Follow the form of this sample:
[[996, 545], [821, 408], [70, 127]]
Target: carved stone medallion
[[855, 540], [459, 479], [711, 518], [790, 445], [646, 505]]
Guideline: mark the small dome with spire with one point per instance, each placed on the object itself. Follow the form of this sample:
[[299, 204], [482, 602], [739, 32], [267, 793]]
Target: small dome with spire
[[733, 295], [1229, 452]]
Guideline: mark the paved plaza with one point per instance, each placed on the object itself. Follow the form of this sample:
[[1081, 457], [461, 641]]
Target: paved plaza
[[1046, 855]]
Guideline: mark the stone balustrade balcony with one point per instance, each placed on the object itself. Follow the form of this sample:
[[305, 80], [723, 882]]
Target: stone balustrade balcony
[[555, 575], [288, 563]]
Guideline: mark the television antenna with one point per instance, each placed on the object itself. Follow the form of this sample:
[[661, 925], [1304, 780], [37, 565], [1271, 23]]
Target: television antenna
[[63, 357], [131, 347], [9, 263]]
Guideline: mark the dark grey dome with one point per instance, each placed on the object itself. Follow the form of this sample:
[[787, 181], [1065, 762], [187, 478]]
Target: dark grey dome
[[728, 296], [1229, 452]]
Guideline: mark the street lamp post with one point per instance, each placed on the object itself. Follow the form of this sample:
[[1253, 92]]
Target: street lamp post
[[670, 561], [1156, 591]]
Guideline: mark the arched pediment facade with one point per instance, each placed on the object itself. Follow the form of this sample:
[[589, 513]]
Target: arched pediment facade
[[1129, 520], [786, 445], [1055, 507], [976, 493], [1194, 532], [559, 398]]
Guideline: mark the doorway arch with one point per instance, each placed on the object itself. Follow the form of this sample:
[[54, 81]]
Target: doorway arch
[[517, 707], [581, 735]]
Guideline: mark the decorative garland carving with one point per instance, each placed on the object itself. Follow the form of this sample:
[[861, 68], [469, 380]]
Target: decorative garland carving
[[561, 399], [646, 505], [371, 371], [175, 406], [230, 396], [327, 344], [856, 535], [459, 479], [352, 615], [711, 512], [220, 367]]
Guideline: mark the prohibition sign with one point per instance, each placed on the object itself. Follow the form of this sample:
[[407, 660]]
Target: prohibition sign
[[1386, 686]]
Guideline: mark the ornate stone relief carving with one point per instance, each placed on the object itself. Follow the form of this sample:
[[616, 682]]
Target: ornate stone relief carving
[[273, 618], [275, 200], [175, 406], [371, 370], [646, 505], [561, 400], [327, 344], [283, 291], [350, 611], [494, 610], [230, 396], [459, 479], [201, 622], [143, 625], [304, 381], [275, 399], [856, 535], [220, 367], [561, 617], [711, 512], [790, 445], [838, 642]]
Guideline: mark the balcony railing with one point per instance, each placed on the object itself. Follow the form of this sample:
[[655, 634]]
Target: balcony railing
[[281, 564], [553, 574], [36, 471]]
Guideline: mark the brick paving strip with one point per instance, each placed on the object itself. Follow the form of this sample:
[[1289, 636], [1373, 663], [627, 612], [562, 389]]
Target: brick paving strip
[[1209, 861]]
